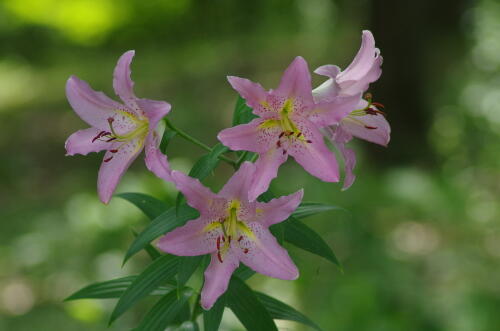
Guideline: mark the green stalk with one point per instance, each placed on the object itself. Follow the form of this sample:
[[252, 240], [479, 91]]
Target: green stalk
[[195, 141]]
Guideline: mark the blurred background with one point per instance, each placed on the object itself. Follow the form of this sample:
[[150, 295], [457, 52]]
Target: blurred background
[[421, 244]]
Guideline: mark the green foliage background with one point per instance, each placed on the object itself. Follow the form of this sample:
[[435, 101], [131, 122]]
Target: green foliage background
[[420, 245]]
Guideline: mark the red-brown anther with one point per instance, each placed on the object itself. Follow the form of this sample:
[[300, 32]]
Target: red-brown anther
[[299, 134], [110, 139], [309, 141], [229, 239], [371, 127], [108, 159], [372, 111], [245, 250], [281, 134], [289, 133], [284, 152], [110, 120], [102, 133], [240, 238], [378, 104], [278, 143], [219, 257], [218, 243], [113, 150]]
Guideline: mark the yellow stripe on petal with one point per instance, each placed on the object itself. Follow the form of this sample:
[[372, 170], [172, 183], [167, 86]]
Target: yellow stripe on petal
[[212, 226], [246, 230]]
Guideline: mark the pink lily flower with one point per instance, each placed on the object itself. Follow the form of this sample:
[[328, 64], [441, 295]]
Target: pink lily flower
[[366, 122], [122, 130], [288, 123], [232, 229]]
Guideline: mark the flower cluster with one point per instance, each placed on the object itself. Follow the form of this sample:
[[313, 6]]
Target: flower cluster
[[292, 120]]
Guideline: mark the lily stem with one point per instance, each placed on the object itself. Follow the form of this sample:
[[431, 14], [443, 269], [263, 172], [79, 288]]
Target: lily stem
[[195, 141]]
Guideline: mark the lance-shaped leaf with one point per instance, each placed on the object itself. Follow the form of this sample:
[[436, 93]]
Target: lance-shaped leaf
[[281, 311], [242, 113], [149, 205], [157, 273], [164, 311], [213, 317], [185, 326], [247, 307], [307, 209], [167, 221], [302, 236], [207, 163], [187, 266], [168, 135], [113, 289], [152, 252]]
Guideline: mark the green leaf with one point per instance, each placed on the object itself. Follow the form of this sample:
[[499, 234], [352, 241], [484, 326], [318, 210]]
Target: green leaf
[[187, 266], [242, 113], [152, 252], [164, 223], [249, 310], [213, 317], [244, 272], [164, 311], [302, 236], [112, 289], [278, 231], [204, 167], [207, 163], [281, 311], [150, 206], [168, 135], [158, 272], [245, 156], [186, 326], [184, 313], [311, 208]]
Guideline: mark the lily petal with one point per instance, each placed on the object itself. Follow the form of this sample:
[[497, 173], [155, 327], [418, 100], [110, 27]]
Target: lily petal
[[122, 83], [331, 112], [364, 69], [197, 195], [191, 239], [279, 209], [253, 93], [314, 156], [372, 128], [266, 170], [349, 164], [257, 136], [217, 278], [154, 110], [329, 89], [84, 142], [296, 82], [156, 161], [240, 183], [340, 138], [114, 166], [93, 107], [264, 255], [363, 60]]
